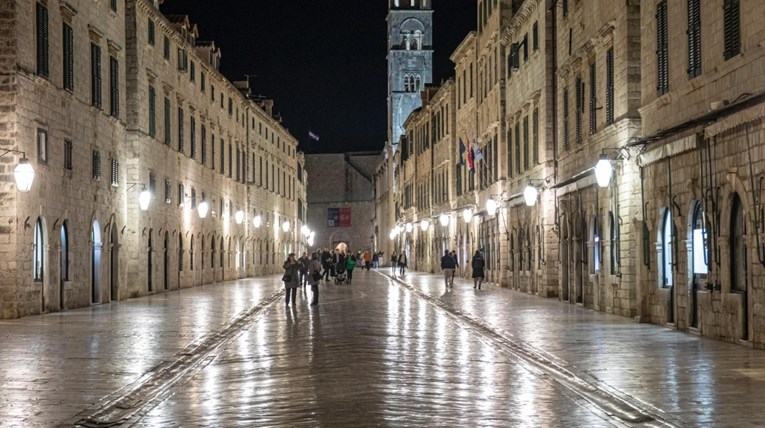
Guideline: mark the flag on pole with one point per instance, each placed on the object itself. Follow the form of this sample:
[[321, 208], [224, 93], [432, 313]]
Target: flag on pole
[[477, 155], [470, 160], [313, 136], [462, 153]]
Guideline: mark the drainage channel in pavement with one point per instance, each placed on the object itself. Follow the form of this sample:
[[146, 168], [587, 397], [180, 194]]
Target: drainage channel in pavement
[[137, 398], [619, 408]]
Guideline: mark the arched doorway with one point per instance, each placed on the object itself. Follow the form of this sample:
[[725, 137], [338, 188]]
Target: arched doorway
[[166, 261], [699, 259], [114, 262], [564, 260], [64, 264], [95, 262], [39, 259], [180, 257], [739, 275], [150, 264], [666, 257]]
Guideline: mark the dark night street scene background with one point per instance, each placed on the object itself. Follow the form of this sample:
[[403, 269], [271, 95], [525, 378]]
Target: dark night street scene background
[[323, 62]]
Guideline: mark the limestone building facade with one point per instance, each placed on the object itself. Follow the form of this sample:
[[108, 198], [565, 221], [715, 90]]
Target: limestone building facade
[[112, 98], [636, 132]]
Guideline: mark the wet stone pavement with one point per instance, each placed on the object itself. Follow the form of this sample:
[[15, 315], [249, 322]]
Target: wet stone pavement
[[380, 352]]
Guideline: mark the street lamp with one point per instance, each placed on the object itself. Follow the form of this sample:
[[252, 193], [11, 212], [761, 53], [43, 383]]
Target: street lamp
[[239, 217], [603, 171], [491, 207], [143, 199], [408, 227], [424, 224], [305, 230], [203, 208], [286, 226], [467, 215], [444, 219], [530, 194], [24, 174], [256, 221]]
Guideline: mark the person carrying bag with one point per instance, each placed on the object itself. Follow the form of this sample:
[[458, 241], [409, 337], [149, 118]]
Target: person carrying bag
[[291, 278], [313, 277]]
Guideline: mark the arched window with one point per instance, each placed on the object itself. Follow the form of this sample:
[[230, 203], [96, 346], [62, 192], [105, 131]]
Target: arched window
[[595, 242], [666, 249], [417, 83], [64, 252], [191, 254], [39, 251], [180, 252], [529, 250], [512, 254], [212, 252], [221, 251], [418, 40], [699, 256], [521, 266], [407, 83], [614, 247], [738, 256], [237, 262], [202, 252]]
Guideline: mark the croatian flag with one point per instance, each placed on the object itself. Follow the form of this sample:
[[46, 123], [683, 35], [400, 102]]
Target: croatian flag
[[462, 153], [476, 149], [313, 136]]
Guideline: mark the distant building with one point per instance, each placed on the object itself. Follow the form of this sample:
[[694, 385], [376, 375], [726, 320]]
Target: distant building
[[341, 199]]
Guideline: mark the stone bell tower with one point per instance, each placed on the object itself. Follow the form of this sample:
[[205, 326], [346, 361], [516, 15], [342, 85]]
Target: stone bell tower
[[410, 60]]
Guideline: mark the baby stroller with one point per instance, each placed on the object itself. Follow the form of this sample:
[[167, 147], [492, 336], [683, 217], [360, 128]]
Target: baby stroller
[[340, 274]]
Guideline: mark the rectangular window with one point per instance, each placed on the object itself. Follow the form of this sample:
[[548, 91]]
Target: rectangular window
[[151, 32], [180, 129], [152, 112], [166, 48], [517, 147], [565, 8], [113, 5], [181, 195], [509, 152], [115, 172], [183, 60], [203, 149], [114, 87], [68, 58], [610, 86], [230, 106], [193, 198], [525, 48], [42, 146], [238, 165], [168, 135], [212, 151], [222, 157], [168, 192], [96, 165], [565, 119], [526, 150], [593, 101], [212, 93], [579, 108], [192, 71], [202, 82], [731, 28], [662, 49], [68, 148], [535, 36], [192, 137], [694, 38], [95, 75], [41, 17], [230, 161], [152, 185], [535, 136]]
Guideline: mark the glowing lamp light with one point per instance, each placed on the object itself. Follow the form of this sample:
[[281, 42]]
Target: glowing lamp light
[[424, 224], [286, 226], [530, 195], [203, 208], [444, 219], [310, 241], [392, 235], [256, 221], [491, 207], [24, 175], [603, 171], [239, 217], [305, 230], [467, 215], [408, 227], [143, 199]]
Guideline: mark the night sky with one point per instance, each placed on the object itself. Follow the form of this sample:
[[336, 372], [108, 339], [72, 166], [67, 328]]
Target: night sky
[[322, 62]]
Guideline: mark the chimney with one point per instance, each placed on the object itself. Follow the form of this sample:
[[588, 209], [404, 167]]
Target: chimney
[[268, 106]]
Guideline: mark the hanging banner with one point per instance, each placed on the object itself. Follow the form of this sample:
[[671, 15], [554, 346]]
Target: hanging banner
[[333, 217], [345, 217]]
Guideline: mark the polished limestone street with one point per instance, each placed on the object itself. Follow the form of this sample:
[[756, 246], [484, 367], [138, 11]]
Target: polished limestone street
[[380, 352]]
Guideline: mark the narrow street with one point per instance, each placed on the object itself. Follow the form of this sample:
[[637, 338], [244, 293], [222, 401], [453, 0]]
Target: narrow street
[[380, 352]]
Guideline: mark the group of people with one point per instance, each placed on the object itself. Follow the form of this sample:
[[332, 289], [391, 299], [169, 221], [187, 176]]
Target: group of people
[[449, 265]]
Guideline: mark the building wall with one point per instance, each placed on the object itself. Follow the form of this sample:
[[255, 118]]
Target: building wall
[[97, 245]]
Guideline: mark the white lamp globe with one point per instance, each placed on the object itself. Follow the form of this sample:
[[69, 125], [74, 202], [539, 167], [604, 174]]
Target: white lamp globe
[[24, 175], [467, 215], [491, 207], [286, 226], [603, 171], [256, 221], [203, 208], [305, 230], [424, 224], [444, 219], [143, 199], [530, 195], [239, 217], [408, 227]]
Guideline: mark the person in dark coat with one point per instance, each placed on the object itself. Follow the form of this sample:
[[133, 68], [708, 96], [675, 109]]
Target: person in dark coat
[[314, 268], [326, 262], [402, 263], [291, 278], [478, 263], [393, 262], [303, 262], [447, 266]]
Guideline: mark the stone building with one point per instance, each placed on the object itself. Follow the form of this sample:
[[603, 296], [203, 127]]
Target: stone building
[[341, 199], [112, 98], [635, 130]]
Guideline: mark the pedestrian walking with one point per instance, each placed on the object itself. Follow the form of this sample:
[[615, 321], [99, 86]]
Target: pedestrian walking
[[447, 266], [478, 264], [402, 263], [314, 276], [350, 264], [375, 260], [368, 260], [393, 263], [290, 278], [456, 264], [303, 262], [326, 262]]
